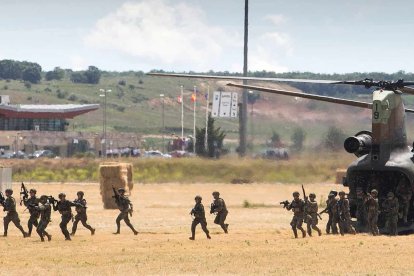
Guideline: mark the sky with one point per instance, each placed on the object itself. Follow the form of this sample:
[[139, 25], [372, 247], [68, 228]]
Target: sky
[[320, 36]]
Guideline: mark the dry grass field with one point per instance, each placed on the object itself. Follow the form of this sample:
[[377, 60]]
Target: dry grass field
[[259, 239]]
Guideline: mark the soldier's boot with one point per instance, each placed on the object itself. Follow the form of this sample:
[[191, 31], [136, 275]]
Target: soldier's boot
[[42, 239], [295, 233], [208, 236], [30, 228], [25, 234], [309, 233], [67, 238], [118, 228], [227, 228], [93, 231], [192, 236], [319, 232], [303, 233]]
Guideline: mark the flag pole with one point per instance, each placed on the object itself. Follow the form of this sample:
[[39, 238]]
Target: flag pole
[[194, 127], [182, 117], [207, 102]]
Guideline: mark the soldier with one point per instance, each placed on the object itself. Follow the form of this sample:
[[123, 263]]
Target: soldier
[[297, 206], [199, 217], [45, 211], [81, 216], [30, 203], [404, 194], [311, 217], [219, 206], [372, 210], [12, 215], [64, 208], [344, 215], [125, 206], [390, 207]]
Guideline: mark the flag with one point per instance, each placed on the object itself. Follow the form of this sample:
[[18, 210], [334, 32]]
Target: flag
[[193, 97], [179, 99]]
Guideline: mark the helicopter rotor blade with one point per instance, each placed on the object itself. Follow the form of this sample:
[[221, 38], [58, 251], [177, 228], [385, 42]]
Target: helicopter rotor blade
[[407, 90], [310, 96], [304, 95], [191, 76]]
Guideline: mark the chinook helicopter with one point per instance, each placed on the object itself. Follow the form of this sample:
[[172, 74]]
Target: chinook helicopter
[[384, 161]]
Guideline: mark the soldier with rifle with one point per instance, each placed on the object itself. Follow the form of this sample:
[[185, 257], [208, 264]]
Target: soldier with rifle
[[9, 204], [126, 208], [219, 208], [45, 211], [81, 214], [332, 211], [298, 208], [372, 210], [30, 203], [65, 209], [390, 207], [345, 225], [199, 218], [311, 213]]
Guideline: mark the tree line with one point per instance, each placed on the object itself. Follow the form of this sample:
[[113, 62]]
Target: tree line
[[32, 72]]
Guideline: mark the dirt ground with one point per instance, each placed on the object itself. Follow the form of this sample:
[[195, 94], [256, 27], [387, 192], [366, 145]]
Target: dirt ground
[[259, 240]]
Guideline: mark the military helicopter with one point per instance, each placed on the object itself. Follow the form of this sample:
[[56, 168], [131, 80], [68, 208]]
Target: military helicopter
[[384, 161]]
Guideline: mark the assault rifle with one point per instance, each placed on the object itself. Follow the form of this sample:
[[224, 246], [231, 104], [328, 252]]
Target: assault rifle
[[24, 194], [118, 198], [2, 199], [285, 203], [51, 200], [212, 208]]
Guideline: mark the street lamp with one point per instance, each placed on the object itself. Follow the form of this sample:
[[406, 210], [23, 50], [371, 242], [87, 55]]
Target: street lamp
[[163, 123], [103, 143]]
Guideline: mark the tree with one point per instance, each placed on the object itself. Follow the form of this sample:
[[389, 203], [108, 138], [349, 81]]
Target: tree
[[56, 74], [275, 140], [298, 137], [334, 139], [32, 74], [215, 137], [78, 77], [93, 75]]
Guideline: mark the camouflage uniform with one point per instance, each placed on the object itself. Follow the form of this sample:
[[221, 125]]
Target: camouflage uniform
[[297, 206], [311, 217], [199, 218], [404, 194], [65, 209], [125, 206], [30, 203], [372, 210], [345, 225], [81, 215], [12, 215], [333, 215], [45, 211], [219, 207], [390, 207]]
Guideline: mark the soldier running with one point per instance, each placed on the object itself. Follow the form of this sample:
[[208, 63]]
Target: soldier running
[[344, 215], [372, 210], [81, 214], [30, 204], [390, 207], [311, 216], [9, 205], [219, 206], [297, 206], [333, 214], [45, 211], [64, 208], [199, 218], [126, 208]]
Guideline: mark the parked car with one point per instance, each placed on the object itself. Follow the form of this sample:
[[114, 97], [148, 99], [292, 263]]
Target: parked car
[[156, 154], [43, 153]]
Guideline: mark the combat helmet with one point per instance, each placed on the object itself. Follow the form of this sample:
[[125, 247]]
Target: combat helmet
[[216, 193], [81, 193], [331, 195], [33, 191], [374, 191], [44, 198], [341, 193], [9, 191], [390, 194], [62, 195], [121, 190], [312, 195], [197, 197], [296, 193]]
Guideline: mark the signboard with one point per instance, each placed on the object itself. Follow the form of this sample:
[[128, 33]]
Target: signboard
[[225, 105]]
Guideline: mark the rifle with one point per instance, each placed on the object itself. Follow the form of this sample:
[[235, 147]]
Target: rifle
[[2, 199], [118, 198], [285, 203], [51, 200], [212, 208], [24, 194]]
